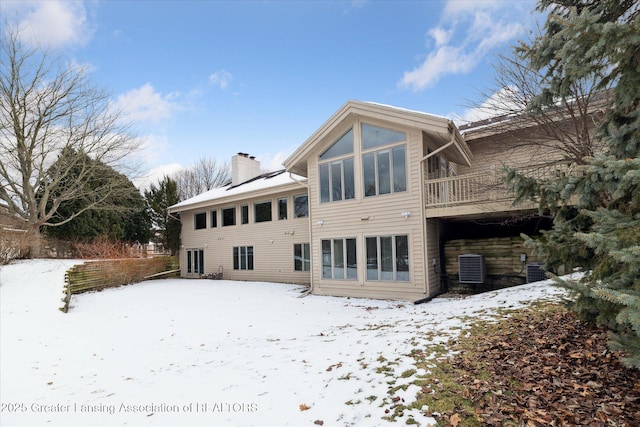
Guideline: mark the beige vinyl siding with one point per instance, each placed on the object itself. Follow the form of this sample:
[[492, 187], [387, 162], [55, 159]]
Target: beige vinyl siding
[[272, 242], [369, 217], [433, 252], [492, 153]]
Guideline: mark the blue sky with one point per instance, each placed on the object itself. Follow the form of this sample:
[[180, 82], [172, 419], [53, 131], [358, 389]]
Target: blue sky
[[212, 78]]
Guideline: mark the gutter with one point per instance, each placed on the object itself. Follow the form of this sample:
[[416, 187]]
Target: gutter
[[305, 185], [427, 299]]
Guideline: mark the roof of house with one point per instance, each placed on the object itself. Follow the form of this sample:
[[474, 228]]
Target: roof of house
[[594, 104], [267, 183], [441, 130]]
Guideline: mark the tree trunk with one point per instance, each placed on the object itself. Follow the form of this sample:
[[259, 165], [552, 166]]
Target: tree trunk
[[35, 242]]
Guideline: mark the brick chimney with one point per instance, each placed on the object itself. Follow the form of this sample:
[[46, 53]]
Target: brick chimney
[[243, 168]]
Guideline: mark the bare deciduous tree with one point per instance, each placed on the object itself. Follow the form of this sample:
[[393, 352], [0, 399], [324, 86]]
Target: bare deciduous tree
[[202, 176], [566, 128], [47, 108]]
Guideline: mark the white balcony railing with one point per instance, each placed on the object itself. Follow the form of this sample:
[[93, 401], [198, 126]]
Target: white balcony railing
[[482, 187]]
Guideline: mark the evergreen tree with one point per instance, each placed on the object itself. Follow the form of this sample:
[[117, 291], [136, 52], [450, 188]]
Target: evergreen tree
[[597, 210], [167, 227], [122, 215]]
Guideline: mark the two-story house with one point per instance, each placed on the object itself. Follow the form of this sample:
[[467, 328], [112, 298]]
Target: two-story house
[[360, 208]]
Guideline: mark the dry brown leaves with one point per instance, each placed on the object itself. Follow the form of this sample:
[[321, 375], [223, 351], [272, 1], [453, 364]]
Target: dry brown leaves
[[548, 370]]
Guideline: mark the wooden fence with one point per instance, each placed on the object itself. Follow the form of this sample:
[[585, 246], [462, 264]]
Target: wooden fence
[[98, 275]]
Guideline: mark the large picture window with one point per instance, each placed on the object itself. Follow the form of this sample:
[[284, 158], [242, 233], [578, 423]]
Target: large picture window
[[243, 257], [336, 170], [374, 136], [336, 180], [339, 259], [384, 170], [388, 258], [301, 257]]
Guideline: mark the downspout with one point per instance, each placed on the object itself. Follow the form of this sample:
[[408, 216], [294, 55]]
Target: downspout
[[310, 234], [425, 259]]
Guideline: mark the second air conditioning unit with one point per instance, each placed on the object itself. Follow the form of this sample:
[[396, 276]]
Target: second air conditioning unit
[[535, 272]]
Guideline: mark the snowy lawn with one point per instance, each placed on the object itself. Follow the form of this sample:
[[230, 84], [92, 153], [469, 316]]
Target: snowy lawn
[[217, 353]]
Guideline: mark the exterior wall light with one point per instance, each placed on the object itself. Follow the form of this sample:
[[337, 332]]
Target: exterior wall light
[[406, 214], [320, 222]]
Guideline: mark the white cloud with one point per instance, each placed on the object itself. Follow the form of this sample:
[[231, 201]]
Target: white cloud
[[221, 78], [145, 104], [155, 175], [274, 162], [440, 35], [468, 31], [500, 102], [454, 9], [445, 60], [52, 23]]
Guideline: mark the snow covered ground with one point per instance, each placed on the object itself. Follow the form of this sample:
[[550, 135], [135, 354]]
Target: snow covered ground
[[217, 353]]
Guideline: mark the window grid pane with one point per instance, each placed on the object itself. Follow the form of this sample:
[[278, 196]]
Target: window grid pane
[[200, 221], [307, 257], [214, 219], [384, 173], [325, 185], [228, 217], [338, 259], [336, 181], [372, 258], [326, 259], [282, 208], [344, 145], [243, 257], [386, 258], [399, 169], [301, 206], [369, 170], [262, 212], [244, 213], [249, 257], [349, 185], [297, 257], [236, 258], [402, 258], [352, 263], [374, 136]]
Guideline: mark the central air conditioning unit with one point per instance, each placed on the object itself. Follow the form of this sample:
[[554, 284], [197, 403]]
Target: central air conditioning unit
[[535, 272], [471, 268]]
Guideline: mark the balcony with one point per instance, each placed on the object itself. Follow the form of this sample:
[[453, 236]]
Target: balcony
[[481, 193]]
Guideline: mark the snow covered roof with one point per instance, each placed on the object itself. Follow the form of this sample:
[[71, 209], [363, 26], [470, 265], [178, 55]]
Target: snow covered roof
[[407, 110], [271, 182]]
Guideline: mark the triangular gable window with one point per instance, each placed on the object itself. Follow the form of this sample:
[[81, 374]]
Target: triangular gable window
[[373, 136], [344, 145]]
